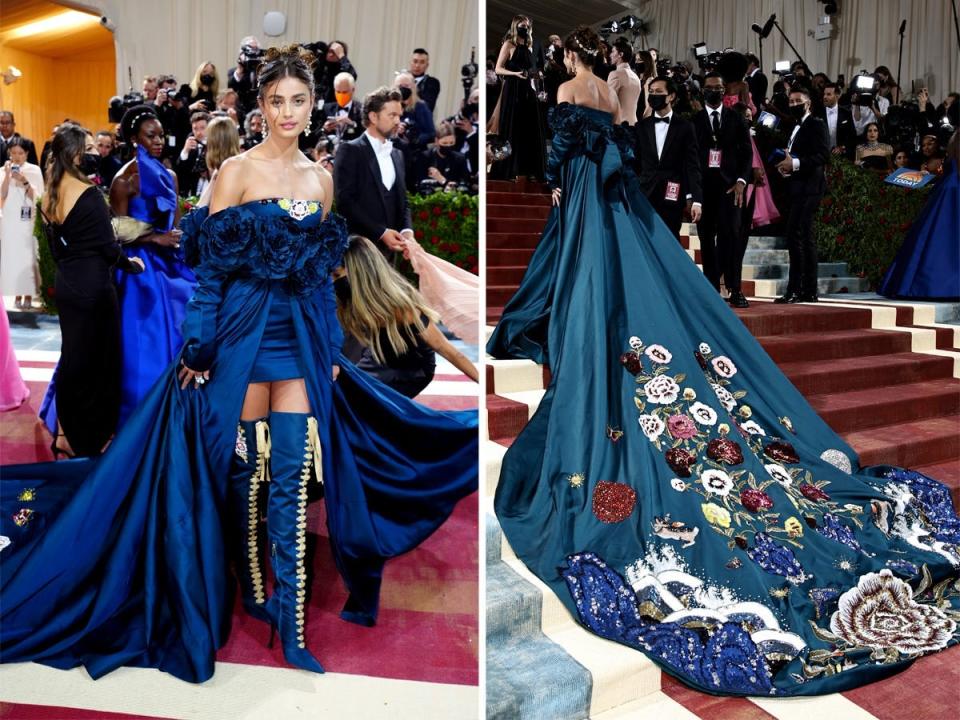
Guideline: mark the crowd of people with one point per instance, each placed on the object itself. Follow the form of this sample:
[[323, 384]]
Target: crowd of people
[[716, 143]]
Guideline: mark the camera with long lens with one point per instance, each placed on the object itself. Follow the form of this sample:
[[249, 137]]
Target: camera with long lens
[[200, 165], [250, 58], [782, 69], [705, 59], [904, 123], [665, 67], [119, 105], [468, 72]]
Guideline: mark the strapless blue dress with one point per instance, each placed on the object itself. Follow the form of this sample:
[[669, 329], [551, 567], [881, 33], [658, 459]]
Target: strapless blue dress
[[675, 489], [121, 559]]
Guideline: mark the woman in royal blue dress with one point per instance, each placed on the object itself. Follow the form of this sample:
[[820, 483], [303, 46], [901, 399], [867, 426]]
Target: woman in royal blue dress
[[121, 560], [927, 266], [673, 488]]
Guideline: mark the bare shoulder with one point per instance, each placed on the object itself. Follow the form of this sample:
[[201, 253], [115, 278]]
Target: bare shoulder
[[565, 93], [229, 188]]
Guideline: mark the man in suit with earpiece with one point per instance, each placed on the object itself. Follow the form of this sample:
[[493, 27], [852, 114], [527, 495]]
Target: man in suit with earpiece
[[806, 154]]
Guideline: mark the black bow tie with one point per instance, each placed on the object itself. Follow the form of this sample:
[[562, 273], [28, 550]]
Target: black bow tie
[[662, 119]]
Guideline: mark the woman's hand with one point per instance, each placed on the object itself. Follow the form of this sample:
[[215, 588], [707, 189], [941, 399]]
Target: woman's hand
[[555, 197], [167, 239], [186, 376], [336, 372]]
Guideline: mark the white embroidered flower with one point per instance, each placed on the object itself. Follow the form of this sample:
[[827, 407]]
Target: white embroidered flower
[[652, 426], [716, 482], [636, 343], [753, 428], [724, 396], [662, 390], [678, 485], [703, 414], [779, 473], [659, 354], [689, 394], [880, 613], [704, 349], [724, 366]]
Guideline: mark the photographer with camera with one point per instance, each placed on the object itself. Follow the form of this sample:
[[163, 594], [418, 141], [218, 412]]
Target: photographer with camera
[[228, 102], [149, 89], [191, 163], [254, 124], [344, 116], [416, 130], [171, 108], [204, 88], [335, 61], [243, 78], [623, 80], [516, 119], [428, 88], [21, 186], [110, 162], [867, 104], [466, 125], [441, 167]]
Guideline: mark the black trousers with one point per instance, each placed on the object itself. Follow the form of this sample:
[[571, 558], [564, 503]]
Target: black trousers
[[719, 234], [801, 244], [670, 211]]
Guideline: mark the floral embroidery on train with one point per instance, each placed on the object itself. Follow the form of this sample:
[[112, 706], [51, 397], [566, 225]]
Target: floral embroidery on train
[[702, 631]]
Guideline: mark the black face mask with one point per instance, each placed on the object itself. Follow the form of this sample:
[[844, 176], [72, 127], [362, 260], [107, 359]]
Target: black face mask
[[405, 92], [341, 286], [713, 97], [657, 102], [523, 32], [207, 79], [89, 163], [797, 112]]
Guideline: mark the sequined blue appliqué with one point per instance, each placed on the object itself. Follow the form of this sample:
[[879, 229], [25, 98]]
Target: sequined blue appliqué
[[776, 559]]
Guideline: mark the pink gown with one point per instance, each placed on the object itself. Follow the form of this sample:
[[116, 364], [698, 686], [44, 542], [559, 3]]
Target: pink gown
[[13, 391]]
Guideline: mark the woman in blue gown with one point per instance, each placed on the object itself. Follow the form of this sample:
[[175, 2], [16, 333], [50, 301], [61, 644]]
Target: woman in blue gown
[[927, 266], [122, 559], [143, 198], [673, 488]]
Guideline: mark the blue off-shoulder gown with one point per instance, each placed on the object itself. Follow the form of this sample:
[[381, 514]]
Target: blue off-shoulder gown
[[675, 490], [120, 560]]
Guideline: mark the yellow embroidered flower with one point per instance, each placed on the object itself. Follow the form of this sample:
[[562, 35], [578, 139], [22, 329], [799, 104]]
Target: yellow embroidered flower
[[745, 411], [716, 515], [27, 495], [576, 480], [793, 527], [689, 394], [723, 428]]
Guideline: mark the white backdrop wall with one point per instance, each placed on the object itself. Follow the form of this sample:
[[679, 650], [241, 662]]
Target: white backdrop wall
[[175, 36], [865, 35]]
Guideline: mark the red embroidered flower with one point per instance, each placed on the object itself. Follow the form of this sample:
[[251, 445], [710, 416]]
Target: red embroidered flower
[[724, 451], [423, 215], [680, 461], [437, 210], [632, 362], [681, 427], [613, 501], [812, 492], [755, 500], [781, 452]]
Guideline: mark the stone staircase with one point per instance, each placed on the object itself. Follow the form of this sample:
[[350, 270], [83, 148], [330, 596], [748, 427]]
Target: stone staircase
[[883, 375]]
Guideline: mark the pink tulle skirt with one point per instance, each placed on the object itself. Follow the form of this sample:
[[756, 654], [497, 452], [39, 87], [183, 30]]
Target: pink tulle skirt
[[13, 391]]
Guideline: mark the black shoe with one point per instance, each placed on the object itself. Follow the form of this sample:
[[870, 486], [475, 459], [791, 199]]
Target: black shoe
[[737, 300], [788, 299], [805, 297]]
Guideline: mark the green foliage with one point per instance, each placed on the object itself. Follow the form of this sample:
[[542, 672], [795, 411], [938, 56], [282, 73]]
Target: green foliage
[[48, 269], [445, 224], [862, 220]]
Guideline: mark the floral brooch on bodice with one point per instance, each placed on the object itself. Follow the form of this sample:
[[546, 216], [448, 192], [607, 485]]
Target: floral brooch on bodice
[[299, 209]]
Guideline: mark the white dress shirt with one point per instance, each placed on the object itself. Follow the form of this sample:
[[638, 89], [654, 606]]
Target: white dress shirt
[[793, 136], [832, 116], [660, 129], [382, 149]]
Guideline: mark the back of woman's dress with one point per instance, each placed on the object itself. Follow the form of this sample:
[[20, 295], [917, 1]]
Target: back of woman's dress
[[121, 560], [676, 491], [928, 263]]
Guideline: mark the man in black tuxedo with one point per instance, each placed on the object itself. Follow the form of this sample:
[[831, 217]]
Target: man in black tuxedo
[[369, 178], [428, 87], [344, 116], [840, 128], [756, 81], [8, 131], [806, 154], [668, 166], [190, 166], [726, 156]]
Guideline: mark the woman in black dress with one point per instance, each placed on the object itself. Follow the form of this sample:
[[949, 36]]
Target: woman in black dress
[[517, 118], [85, 250]]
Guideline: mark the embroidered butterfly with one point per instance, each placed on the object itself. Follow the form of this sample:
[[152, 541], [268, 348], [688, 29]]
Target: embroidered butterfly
[[614, 434]]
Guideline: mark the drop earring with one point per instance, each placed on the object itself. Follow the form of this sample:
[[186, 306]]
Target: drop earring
[[306, 129]]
